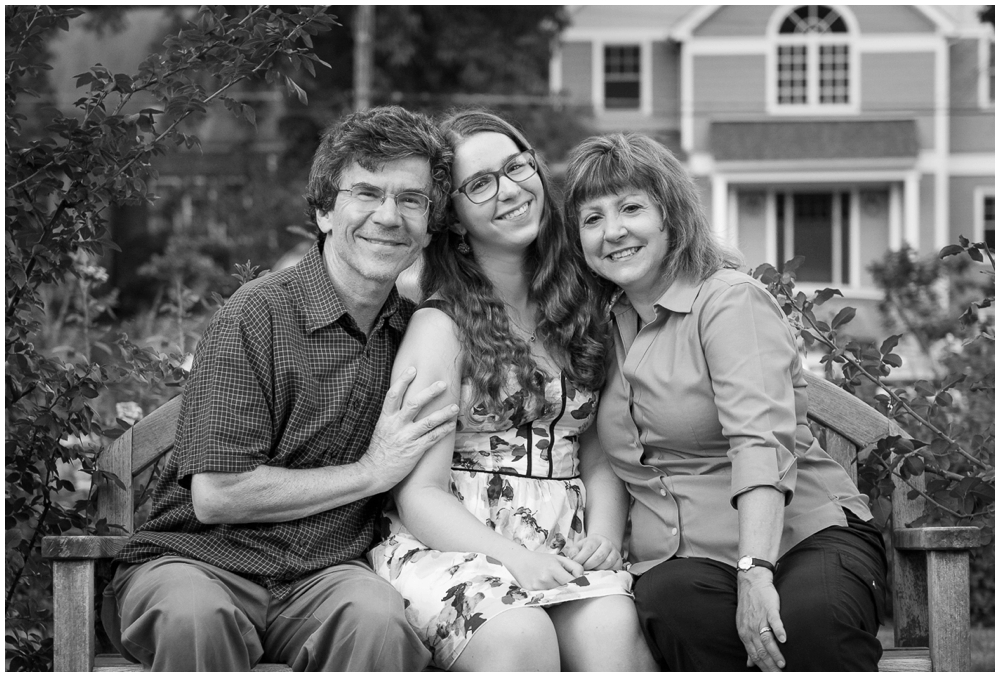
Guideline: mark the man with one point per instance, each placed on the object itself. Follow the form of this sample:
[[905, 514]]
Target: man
[[254, 548]]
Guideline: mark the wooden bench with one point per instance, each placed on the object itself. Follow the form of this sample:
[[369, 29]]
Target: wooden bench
[[930, 565]]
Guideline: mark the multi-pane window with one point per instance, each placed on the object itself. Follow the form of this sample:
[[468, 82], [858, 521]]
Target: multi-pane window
[[793, 79], [833, 74], [813, 59], [622, 76]]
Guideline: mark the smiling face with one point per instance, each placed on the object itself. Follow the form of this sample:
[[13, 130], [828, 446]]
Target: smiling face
[[365, 248], [625, 240], [509, 220]]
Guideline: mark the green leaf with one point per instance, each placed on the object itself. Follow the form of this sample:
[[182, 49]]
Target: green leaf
[[950, 250], [825, 295], [924, 388], [843, 317]]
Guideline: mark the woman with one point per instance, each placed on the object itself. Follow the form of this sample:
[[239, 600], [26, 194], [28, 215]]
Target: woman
[[751, 545], [487, 543]]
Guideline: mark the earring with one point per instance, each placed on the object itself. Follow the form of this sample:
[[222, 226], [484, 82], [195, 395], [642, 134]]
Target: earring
[[463, 247]]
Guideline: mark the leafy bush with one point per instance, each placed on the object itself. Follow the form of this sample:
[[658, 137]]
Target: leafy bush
[[60, 183], [950, 460]]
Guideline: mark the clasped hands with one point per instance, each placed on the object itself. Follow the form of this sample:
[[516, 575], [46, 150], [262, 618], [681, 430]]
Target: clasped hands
[[542, 571]]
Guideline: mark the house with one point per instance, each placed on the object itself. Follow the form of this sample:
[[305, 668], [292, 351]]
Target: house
[[831, 131]]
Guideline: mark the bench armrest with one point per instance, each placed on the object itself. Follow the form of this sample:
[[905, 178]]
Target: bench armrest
[[82, 547], [936, 538]]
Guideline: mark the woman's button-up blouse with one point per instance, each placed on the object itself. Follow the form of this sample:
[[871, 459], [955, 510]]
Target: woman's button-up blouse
[[705, 403]]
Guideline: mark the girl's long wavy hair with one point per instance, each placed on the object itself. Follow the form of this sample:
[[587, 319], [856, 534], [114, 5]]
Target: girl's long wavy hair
[[615, 163], [567, 321]]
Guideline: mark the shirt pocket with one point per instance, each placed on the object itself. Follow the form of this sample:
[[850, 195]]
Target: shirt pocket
[[870, 577]]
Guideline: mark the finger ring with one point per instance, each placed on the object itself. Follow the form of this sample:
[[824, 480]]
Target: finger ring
[[766, 628]]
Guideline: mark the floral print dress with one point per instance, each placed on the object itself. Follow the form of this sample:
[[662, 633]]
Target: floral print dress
[[520, 477]]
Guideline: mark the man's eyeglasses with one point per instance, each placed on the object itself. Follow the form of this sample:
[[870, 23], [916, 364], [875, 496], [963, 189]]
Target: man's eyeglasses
[[411, 205], [485, 186]]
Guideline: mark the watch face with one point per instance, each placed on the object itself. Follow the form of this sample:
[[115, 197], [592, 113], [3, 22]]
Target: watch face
[[744, 563]]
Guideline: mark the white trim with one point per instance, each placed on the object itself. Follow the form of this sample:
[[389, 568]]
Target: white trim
[[614, 35], [720, 207], [685, 28], [805, 177], [911, 210], [732, 218], [942, 22], [983, 72], [701, 163], [597, 76], [972, 164], [837, 237], [555, 68], [687, 99], [942, 142], [895, 216], [979, 194], [872, 42], [855, 225], [958, 164], [771, 227], [720, 46], [894, 42], [820, 165]]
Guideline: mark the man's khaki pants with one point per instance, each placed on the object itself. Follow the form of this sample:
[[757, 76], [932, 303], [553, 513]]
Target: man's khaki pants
[[184, 615]]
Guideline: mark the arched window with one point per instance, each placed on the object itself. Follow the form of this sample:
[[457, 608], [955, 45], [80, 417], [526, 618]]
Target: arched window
[[813, 59]]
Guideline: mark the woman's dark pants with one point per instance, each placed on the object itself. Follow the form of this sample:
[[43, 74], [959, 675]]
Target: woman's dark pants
[[832, 591]]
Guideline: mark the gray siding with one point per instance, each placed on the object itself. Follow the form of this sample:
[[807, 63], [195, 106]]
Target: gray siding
[[891, 19], [873, 227], [666, 80], [576, 72], [900, 85], [927, 217], [972, 128], [736, 20], [726, 87], [962, 209], [752, 219]]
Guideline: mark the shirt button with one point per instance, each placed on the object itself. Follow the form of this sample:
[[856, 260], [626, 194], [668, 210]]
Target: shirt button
[[673, 532], [663, 492]]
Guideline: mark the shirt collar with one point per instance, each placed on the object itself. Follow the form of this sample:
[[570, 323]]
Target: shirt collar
[[678, 298], [320, 303]]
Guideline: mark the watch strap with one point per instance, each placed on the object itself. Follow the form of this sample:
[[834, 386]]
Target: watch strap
[[757, 562]]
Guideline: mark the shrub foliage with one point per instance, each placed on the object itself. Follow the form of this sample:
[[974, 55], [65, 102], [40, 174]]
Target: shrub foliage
[[60, 182]]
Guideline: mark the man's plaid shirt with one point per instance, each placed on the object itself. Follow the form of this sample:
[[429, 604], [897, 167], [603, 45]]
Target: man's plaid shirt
[[282, 377]]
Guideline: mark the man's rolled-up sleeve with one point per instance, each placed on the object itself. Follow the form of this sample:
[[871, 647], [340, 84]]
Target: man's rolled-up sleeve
[[750, 350], [227, 425]]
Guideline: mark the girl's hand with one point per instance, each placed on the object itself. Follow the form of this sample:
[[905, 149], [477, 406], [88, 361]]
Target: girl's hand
[[541, 571], [595, 552]]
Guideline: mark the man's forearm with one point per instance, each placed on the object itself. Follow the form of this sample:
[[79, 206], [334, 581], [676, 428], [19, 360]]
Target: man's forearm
[[271, 494]]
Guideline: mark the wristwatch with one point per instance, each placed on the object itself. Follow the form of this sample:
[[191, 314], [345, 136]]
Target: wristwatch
[[746, 563]]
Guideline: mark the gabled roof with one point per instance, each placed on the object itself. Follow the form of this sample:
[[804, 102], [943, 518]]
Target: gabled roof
[[943, 18]]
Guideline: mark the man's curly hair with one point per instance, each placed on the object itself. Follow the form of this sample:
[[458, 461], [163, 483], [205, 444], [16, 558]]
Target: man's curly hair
[[372, 138]]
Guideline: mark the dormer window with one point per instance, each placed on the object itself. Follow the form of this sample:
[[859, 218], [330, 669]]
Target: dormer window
[[813, 68]]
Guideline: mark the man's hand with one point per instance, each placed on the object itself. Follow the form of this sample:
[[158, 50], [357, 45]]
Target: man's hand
[[399, 439], [595, 552]]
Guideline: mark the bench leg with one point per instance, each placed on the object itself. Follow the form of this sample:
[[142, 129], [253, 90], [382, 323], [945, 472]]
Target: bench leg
[[74, 615], [948, 606]]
